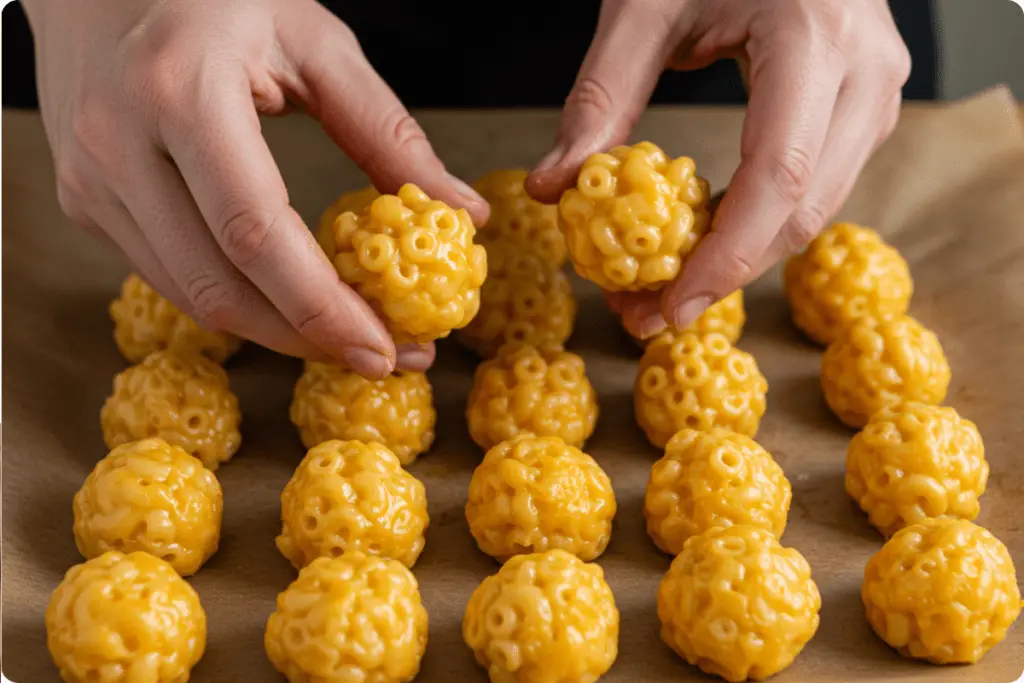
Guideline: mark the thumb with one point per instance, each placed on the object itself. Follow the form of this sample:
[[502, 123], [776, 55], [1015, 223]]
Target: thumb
[[618, 75]]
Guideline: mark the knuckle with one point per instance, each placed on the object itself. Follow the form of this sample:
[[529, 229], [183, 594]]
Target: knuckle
[[897, 65], [244, 233], [311, 317], [805, 223], [838, 24], [735, 270], [592, 93], [212, 301], [403, 131], [95, 133], [790, 172], [71, 191]]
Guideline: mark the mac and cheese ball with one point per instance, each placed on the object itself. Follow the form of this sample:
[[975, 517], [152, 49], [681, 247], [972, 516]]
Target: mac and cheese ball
[[350, 495], [913, 461], [152, 497], [145, 322], [333, 402], [519, 219], [524, 300], [532, 494], [633, 217], [715, 478], [943, 589], [125, 618], [544, 391], [847, 272], [694, 381], [543, 618], [355, 201], [737, 604], [726, 316], [876, 363], [413, 259], [183, 399], [350, 619]]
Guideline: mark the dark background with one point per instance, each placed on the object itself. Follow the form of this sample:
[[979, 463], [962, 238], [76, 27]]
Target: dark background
[[443, 54]]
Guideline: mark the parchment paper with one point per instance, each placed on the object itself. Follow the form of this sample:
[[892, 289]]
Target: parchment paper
[[947, 190]]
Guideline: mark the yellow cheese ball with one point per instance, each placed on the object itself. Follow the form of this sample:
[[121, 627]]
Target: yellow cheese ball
[[633, 217], [524, 300], [544, 391], [726, 316], [145, 322], [125, 618], [715, 478], [333, 402], [350, 495], [152, 497], [738, 604], [876, 363], [355, 201], [543, 618], [532, 494], [696, 381], [182, 399], [943, 589], [350, 619], [519, 219], [913, 461], [847, 272], [413, 259]]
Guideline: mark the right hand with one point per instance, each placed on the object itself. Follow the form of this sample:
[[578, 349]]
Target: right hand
[[151, 108]]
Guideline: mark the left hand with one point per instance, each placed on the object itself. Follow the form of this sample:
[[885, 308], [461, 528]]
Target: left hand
[[825, 92]]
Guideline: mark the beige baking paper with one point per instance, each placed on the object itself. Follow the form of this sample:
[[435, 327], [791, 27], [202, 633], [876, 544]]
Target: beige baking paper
[[947, 190]]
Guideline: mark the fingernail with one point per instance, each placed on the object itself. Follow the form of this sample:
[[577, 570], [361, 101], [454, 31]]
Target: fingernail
[[552, 159], [650, 326], [688, 311], [464, 189], [368, 362]]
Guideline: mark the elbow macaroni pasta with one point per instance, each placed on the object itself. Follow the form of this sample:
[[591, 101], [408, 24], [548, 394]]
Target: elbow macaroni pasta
[[332, 402], [145, 322], [125, 618], [714, 478], [356, 201], [695, 381], [944, 590], [413, 259], [347, 496], [913, 461], [543, 618], [633, 217], [876, 363], [532, 494], [524, 300], [184, 400], [737, 604], [351, 619], [152, 497], [846, 273], [518, 219], [543, 391]]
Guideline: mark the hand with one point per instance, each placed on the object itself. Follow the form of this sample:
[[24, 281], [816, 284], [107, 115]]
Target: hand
[[151, 108], [825, 82]]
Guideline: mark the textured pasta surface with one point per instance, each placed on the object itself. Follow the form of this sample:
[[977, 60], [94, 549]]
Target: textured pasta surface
[[943, 589], [737, 604], [183, 399], [519, 219], [876, 363], [532, 494], [633, 217], [687, 380], [350, 495], [125, 619], [356, 201], [332, 402], [543, 618], [524, 300], [913, 461], [715, 478], [145, 322], [152, 497], [350, 619], [413, 259], [847, 272], [544, 391]]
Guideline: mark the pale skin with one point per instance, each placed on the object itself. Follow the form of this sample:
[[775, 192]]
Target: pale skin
[[151, 108]]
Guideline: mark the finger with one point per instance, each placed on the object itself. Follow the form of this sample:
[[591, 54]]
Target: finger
[[364, 116], [415, 357], [230, 172], [793, 93], [641, 314], [615, 82]]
